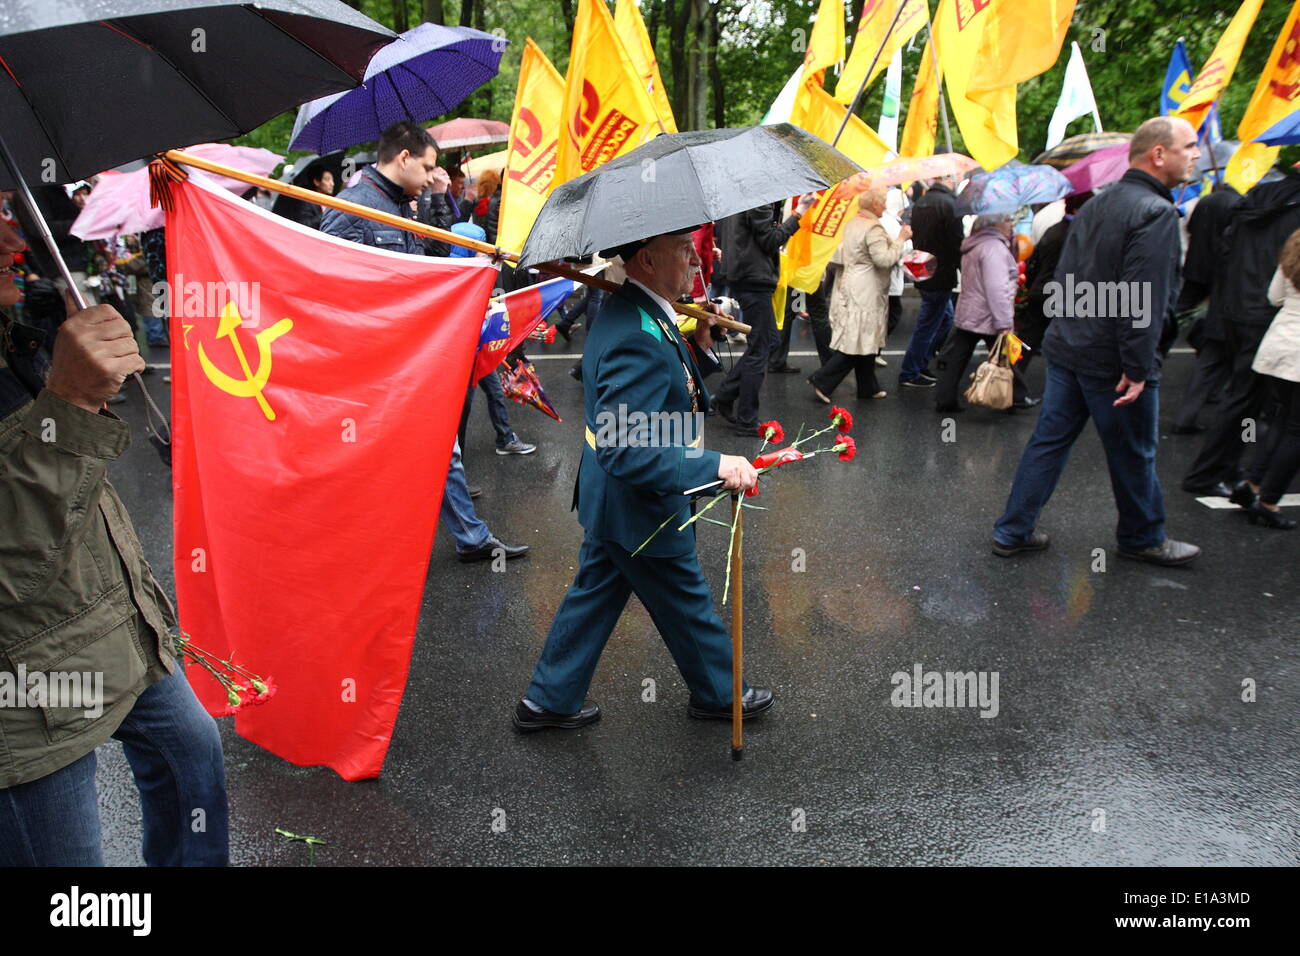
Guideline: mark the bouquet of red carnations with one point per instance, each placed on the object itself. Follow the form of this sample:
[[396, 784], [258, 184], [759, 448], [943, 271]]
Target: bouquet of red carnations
[[772, 433]]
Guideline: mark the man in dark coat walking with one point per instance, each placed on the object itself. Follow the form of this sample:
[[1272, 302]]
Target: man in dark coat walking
[[1258, 228], [1204, 260], [751, 244], [936, 229], [1115, 285]]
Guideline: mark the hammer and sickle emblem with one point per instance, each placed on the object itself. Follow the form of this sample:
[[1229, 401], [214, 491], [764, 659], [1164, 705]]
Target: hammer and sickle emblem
[[251, 385]]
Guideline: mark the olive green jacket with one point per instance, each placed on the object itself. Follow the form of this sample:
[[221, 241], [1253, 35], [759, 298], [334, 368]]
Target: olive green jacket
[[76, 594]]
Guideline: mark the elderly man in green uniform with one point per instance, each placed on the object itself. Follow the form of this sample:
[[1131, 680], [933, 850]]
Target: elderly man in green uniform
[[644, 402]]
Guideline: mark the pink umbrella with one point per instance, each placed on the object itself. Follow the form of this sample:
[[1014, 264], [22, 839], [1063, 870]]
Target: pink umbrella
[[1099, 168], [465, 132], [908, 169], [119, 204]]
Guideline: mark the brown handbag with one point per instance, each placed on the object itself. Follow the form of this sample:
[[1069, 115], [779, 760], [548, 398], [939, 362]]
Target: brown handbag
[[991, 383]]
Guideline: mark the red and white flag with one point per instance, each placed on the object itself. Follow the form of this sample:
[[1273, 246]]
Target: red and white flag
[[317, 388]]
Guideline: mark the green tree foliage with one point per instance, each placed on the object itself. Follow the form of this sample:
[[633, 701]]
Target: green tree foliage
[[724, 61]]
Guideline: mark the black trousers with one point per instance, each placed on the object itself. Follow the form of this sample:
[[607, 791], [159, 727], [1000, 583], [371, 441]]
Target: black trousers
[[1213, 366], [828, 377], [741, 386], [1223, 448], [952, 362], [1278, 459], [895, 314], [780, 356], [819, 316]]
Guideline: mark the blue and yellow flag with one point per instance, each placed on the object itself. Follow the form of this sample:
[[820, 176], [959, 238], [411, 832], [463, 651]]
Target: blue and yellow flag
[[1178, 80]]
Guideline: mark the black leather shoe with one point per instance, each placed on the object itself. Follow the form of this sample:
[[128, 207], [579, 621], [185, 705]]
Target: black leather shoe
[[1258, 514], [755, 701], [474, 490], [1187, 429], [489, 550], [1037, 541], [726, 409], [575, 373], [1027, 403], [1169, 553], [1217, 490], [748, 431], [786, 369], [527, 719], [1242, 495]]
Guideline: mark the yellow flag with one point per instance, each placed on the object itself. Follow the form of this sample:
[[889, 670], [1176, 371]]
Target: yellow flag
[[826, 43], [606, 110], [636, 39], [923, 109], [877, 16], [1217, 71], [985, 48], [1275, 97], [822, 228], [534, 136]]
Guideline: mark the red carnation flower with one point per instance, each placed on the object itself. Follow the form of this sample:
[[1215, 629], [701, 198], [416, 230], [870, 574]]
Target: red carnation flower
[[751, 492], [848, 447], [778, 433], [845, 422]]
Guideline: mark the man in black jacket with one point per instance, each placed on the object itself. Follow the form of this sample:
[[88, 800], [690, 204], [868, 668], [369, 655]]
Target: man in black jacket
[[936, 229], [1204, 261], [1115, 286], [1254, 238], [751, 246]]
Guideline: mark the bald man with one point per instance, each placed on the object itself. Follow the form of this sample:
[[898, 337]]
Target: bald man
[[1115, 285]]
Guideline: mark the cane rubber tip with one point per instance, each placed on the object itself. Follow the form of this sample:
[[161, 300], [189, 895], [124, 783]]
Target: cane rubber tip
[[737, 753]]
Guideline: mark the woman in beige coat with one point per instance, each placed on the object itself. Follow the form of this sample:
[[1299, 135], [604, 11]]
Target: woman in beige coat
[[1278, 357], [859, 311]]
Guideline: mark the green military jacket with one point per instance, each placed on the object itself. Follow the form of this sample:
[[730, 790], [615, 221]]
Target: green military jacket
[[76, 594]]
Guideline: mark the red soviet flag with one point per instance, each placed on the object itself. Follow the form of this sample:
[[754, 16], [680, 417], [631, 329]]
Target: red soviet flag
[[317, 388]]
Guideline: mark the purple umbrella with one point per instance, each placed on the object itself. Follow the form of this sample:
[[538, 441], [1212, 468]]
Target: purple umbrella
[[1099, 168], [426, 72]]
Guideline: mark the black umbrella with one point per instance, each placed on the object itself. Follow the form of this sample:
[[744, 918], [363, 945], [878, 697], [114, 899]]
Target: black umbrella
[[90, 84], [678, 180]]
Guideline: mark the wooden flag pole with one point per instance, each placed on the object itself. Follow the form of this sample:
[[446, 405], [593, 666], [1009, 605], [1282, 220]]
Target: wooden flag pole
[[738, 632], [420, 229]]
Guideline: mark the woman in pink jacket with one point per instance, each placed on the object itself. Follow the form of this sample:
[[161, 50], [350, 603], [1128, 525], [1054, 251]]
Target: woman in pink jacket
[[985, 307]]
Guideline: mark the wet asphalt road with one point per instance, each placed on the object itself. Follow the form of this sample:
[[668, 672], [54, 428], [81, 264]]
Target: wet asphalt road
[[1121, 736]]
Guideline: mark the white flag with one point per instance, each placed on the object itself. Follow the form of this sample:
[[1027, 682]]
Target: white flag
[[888, 128], [1076, 99]]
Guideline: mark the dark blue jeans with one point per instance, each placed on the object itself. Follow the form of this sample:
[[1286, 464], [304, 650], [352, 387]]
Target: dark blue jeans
[[1128, 436], [933, 320], [175, 754], [496, 403]]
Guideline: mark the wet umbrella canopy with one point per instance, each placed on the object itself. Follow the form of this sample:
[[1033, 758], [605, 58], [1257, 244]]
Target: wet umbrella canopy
[[426, 72], [1074, 148], [1011, 187], [90, 84], [679, 180]]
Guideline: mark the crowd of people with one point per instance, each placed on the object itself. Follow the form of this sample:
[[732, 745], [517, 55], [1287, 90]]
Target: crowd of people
[[1242, 256]]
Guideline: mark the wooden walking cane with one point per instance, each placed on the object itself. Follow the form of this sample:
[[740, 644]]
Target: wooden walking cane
[[738, 633], [175, 156]]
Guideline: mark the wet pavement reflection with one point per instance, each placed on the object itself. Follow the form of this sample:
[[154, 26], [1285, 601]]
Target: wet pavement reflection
[[1120, 735]]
